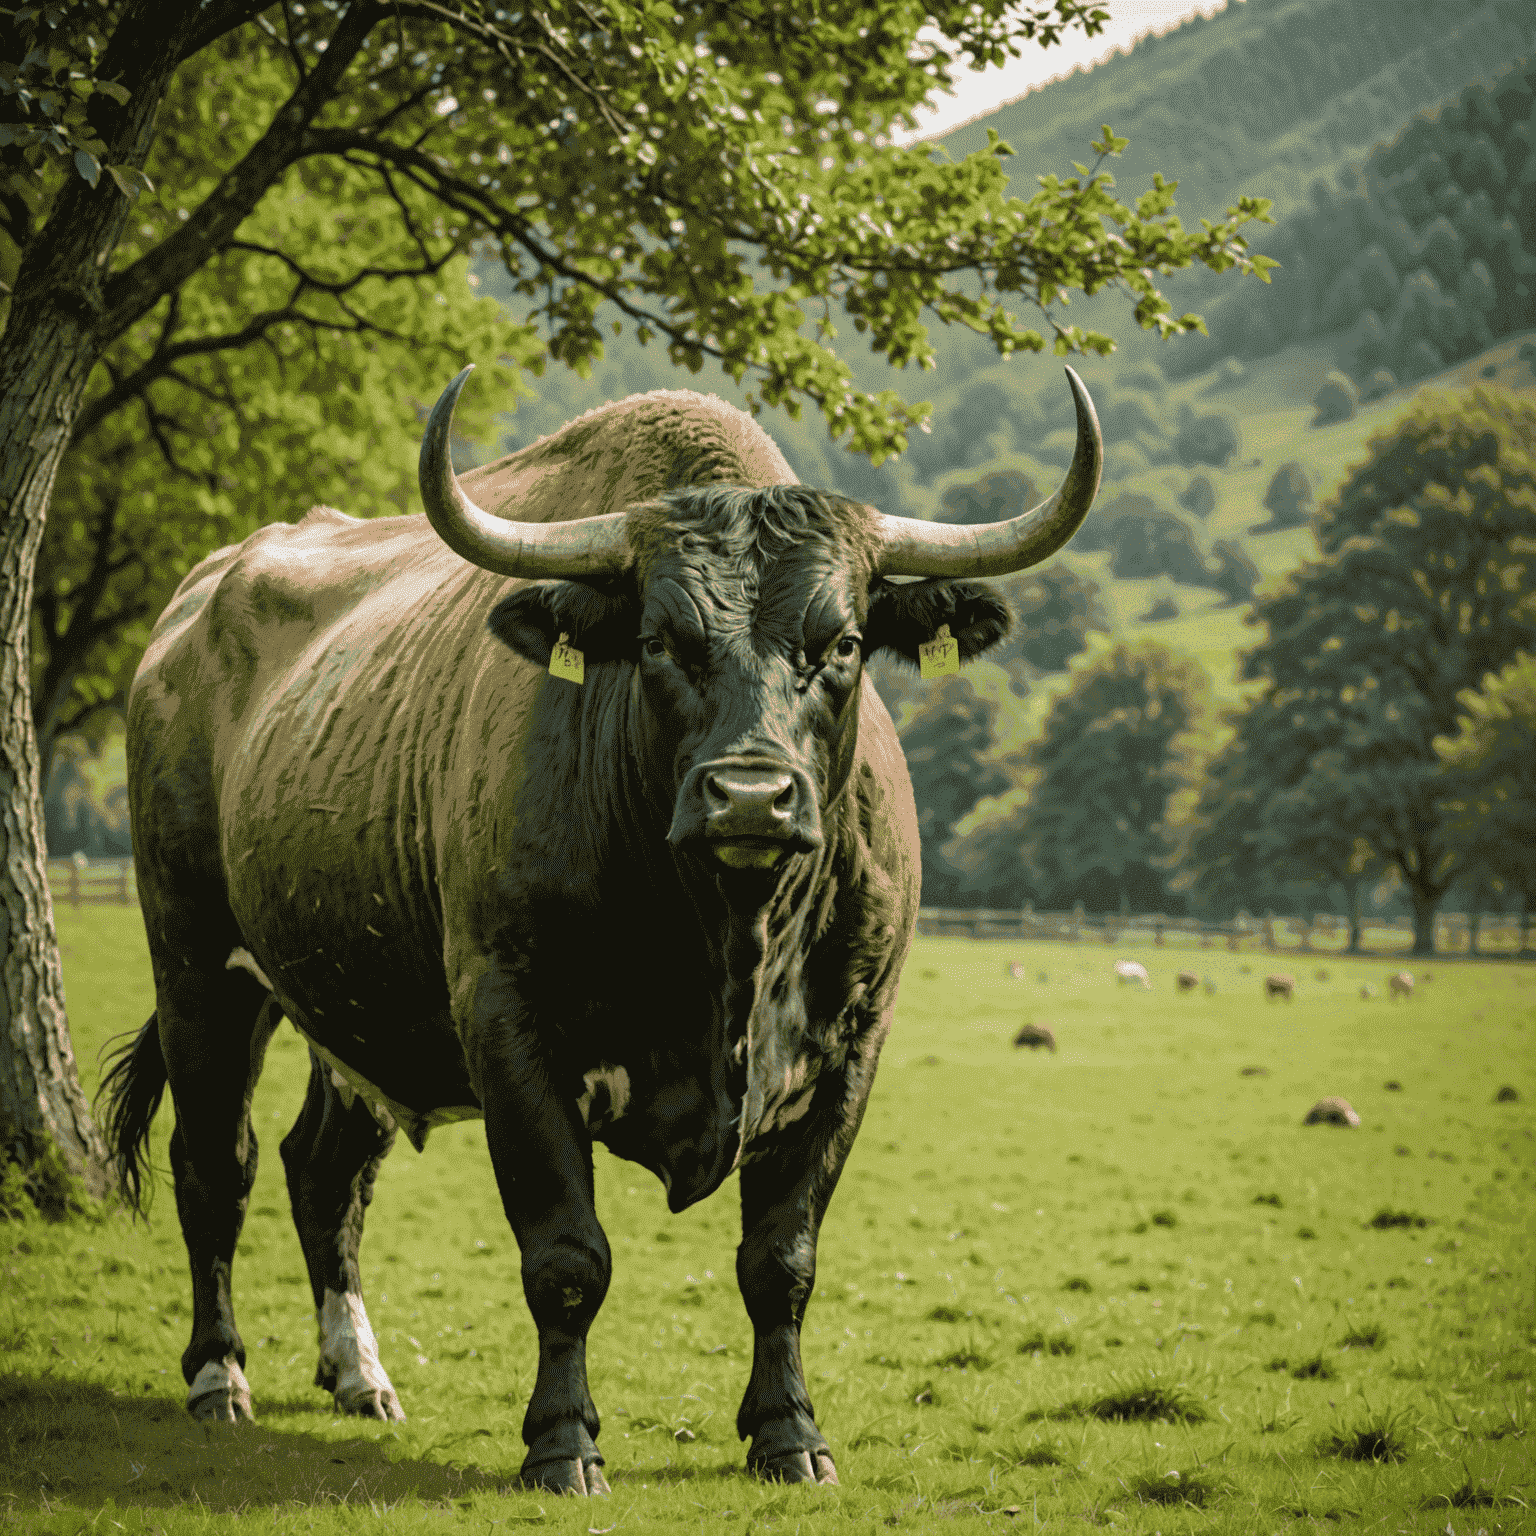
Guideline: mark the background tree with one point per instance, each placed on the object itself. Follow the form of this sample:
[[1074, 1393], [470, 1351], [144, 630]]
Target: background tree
[[948, 742], [638, 165], [1093, 827], [1288, 498], [1490, 793], [1055, 609], [1271, 827], [1424, 586]]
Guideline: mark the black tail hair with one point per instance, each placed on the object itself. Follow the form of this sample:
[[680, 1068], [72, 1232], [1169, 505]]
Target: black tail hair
[[133, 1087]]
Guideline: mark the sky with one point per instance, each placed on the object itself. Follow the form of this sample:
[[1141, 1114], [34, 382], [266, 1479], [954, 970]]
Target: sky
[[990, 89]]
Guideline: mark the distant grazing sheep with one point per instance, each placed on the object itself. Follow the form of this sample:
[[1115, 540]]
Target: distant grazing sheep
[[1132, 970], [1331, 1111], [1367, 991], [1400, 985], [1321, 973], [1187, 981], [1508, 1094], [1034, 1036], [1016, 970], [1210, 987], [1280, 986]]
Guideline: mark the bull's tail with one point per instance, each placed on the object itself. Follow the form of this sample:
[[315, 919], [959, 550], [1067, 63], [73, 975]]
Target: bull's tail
[[132, 1088]]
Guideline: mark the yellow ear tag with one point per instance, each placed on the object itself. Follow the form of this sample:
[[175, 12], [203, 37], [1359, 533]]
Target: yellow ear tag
[[940, 656], [567, 662]]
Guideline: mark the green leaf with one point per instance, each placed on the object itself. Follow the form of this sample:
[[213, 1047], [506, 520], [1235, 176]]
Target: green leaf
[[118, 93], [130, 181], [88, 166]]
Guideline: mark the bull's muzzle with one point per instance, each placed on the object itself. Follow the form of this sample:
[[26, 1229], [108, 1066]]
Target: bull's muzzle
[[746, 815]]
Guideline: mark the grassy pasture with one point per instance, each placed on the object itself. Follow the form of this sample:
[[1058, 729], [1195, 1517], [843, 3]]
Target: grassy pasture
[[1048, 1284]]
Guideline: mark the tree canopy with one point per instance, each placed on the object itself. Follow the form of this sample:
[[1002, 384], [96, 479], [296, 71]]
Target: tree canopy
[[1490, 804], [1094, 824], [1423, 586]]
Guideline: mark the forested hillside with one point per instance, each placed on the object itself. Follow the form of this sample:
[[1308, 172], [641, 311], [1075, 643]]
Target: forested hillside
[[1425, 257]]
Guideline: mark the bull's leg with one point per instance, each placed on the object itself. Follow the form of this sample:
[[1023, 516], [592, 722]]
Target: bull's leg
[[784, 1195], [543, 1160], [214, 1030], [332, 1157]]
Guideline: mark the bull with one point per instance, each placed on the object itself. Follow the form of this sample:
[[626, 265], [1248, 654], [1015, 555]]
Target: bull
[[361, 801]]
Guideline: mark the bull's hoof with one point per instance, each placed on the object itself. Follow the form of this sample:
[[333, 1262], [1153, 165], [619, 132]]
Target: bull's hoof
[[367, 1402], [219, 1393], [794, 1467], [582, 1479], [565, 1459]]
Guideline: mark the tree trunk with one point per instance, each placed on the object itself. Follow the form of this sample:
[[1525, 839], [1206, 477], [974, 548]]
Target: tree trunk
[[1354, 889], [1425, 901], [41, 1101], [56, 331]]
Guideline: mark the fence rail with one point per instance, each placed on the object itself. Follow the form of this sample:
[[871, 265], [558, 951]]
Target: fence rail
[[91, 882], [1323, 933]]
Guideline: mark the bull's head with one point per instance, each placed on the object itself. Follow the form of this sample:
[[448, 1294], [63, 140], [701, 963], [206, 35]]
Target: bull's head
[[747, 614]]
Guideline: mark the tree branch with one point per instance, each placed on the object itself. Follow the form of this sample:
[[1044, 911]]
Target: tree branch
[[133, 292], [217, 18]]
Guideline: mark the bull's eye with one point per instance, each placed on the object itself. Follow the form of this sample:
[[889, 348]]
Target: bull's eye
[[847, 648], [654, 646]]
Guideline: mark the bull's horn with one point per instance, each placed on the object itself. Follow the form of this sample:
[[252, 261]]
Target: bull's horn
[[590, 546], [917, 548]]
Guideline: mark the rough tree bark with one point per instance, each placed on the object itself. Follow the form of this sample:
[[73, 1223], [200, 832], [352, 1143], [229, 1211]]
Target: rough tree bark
[[53, 338]]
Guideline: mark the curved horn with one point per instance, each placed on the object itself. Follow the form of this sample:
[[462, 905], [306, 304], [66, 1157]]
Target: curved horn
[[917, 548], [590, 546]]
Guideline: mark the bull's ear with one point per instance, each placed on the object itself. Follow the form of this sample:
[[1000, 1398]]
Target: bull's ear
[[903, 617], [601, 617]]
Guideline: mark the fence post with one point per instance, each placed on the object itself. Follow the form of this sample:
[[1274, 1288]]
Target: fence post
[[122, 883], [77, 863], [1077, 920], [1157, 932]]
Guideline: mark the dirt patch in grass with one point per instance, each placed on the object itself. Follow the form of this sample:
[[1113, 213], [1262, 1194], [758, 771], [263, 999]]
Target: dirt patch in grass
[[1370, 1336], [1314, 1368], [969, 1359], [1379, 1437], [1386, 1218], [1038, 1343], [1195, 1489], [1138, 1403]]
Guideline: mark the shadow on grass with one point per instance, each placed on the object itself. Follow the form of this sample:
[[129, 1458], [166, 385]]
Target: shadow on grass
[[85, 1444]]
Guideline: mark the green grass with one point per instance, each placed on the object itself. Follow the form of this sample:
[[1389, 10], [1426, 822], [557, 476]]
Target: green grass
[[956, 1366]]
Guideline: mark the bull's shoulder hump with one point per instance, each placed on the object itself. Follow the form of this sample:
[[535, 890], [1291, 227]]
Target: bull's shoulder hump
[[629, 451]]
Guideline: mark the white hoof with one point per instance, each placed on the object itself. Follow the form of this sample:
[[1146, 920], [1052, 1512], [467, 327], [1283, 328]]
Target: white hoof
[[219, 1393], [349, 1361]]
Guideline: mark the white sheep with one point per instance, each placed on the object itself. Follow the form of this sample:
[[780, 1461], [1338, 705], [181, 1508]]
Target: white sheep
[[1400, 985], [1133, 970]]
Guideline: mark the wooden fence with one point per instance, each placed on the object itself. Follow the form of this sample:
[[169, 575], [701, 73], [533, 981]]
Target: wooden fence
[[1323, 933], [89, 882]]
